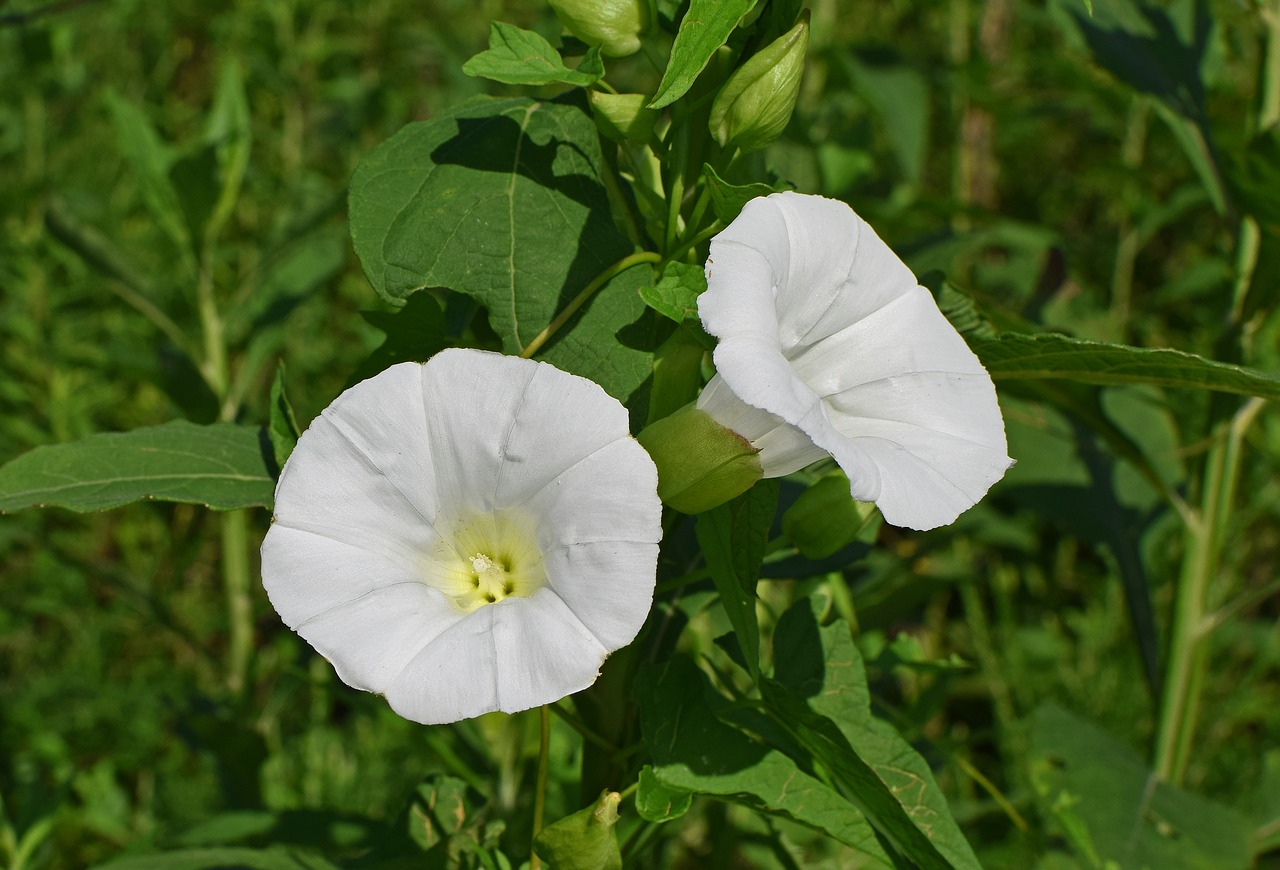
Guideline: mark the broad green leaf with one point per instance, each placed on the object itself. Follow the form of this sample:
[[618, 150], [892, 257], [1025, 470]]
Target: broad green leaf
[[1115, 811], [585, 840], [675, 296], [694, 751], [221, 859], [151, 159], [522, 57], [1012, 355], [819, 691], [732, 538], [415, 333], [728, 199], [502, 200], [282, 425], [705, 27], [656, 801], [222, 466]]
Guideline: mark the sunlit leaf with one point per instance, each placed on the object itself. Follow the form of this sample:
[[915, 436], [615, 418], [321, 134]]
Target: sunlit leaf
[[522, 57], [502, 200], [222, 466], [705, 27]]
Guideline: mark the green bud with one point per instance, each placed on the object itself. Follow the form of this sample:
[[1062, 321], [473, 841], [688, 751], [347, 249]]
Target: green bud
[[585, 840], [623, 116], [614, 25], [701, 464], [753, 107], [825, 518]]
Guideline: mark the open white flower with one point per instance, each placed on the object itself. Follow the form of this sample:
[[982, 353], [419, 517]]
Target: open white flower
[[828, 346], [471, 534]]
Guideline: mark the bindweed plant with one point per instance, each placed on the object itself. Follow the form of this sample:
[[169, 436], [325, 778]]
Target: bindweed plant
[[665, 449]]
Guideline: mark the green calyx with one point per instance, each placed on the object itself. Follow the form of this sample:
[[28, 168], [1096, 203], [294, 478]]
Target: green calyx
[[701, 464], [753, 107]]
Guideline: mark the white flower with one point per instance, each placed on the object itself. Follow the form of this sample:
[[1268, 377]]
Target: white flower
[[472, 534], [828, 346]]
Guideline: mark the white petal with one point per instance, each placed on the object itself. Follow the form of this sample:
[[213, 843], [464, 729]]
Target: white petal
[[373, 638], [544, 652], [361, 473], [306, 573], [454, 676], [607, 584], [824, 330], [582, 503], [510, 656]]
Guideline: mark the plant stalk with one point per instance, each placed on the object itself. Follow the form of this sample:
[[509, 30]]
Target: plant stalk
[[540, 791]]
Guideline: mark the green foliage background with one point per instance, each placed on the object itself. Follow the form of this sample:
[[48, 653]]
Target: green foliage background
[[986, 140]]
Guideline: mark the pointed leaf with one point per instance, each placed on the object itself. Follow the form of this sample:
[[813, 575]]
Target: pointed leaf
[[151, 159], [733, 538], [705, 27], [1014, 355], [222, 466], [694, 751], [522, 57], [675, 296], [820, 689]]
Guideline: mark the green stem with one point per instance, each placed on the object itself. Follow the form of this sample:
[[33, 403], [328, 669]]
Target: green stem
[[1188, 646], [540, 792], [581, 299], [236, 579]]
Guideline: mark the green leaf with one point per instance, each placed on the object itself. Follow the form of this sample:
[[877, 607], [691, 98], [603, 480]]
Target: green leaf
[[522, 57], [728, 199], [705, 27], [282, 425], [222, 466], [819, 693], [657, 801], [695, 751], [151, 159], [415, 333], [502, 200], [675, 296], [1116, 813], [1014, 355], [732, 538], [586, 840], [825, 519]]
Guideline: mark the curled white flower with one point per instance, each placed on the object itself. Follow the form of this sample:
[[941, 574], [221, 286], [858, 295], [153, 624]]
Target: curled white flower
[[828, 346], [472, 534]]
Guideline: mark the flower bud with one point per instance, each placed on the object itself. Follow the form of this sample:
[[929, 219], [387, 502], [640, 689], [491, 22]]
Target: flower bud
[[623, 116], [614, 25], [701, 464], [753, 107]]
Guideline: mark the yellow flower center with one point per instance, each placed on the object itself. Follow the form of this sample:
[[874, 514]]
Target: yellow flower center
[[487, 559]]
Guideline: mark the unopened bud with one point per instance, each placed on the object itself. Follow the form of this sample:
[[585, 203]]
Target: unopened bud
[[614, 25], [701, 464], [753, 107], [623, 116]]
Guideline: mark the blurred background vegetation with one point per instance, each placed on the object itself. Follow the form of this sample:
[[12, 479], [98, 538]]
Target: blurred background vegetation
[[985, 139]]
